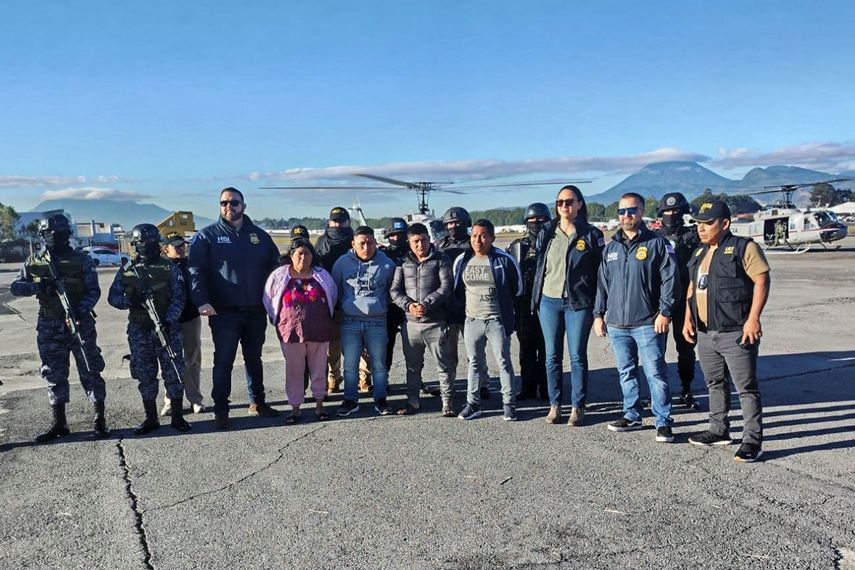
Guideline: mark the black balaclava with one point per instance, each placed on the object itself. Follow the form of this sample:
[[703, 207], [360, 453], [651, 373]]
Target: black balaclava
[[147, 250], [533, 228], [459, 233], [398, 242], [672, 222], [339, 234], [57, 241]]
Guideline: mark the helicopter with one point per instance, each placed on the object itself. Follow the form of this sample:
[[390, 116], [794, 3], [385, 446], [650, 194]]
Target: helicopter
[[782, 224], [423, 214]]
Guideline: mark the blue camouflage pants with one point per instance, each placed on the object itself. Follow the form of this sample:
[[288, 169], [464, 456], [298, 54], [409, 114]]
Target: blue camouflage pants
[[55, 343], [146, 354]]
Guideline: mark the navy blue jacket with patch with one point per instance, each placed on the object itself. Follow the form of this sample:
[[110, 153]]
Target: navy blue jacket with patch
[[506, 275], [229, 267], [637, 280]]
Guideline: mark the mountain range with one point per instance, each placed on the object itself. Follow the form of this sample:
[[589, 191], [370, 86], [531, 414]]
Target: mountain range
[[126, 214], [655, 179], [692, 179]]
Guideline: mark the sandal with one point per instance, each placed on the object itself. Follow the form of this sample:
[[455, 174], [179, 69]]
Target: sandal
[[322, 415], [408, 410], [448, 413], [292, 419]]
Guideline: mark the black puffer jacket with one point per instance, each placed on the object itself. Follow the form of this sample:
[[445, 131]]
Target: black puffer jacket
[[428, 282]]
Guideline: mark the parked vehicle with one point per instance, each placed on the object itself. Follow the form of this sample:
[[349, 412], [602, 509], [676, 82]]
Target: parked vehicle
[[103, 256]]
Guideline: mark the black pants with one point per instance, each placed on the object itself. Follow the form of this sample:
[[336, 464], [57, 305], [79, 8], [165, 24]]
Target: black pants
[[685, 350], [532, 356]]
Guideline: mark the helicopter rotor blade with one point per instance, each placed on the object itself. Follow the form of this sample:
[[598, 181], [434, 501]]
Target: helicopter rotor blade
[[535, 183], [324, 188], [384, 179]]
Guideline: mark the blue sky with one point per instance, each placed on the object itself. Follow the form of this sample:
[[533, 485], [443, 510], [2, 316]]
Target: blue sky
[[168, 102]]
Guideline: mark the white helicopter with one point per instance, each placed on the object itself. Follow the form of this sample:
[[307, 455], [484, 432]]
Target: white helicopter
[[424, 215], [782, 224]]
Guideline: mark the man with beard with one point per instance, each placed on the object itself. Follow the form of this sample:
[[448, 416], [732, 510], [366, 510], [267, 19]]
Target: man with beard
[[457, 222], [53, 329], [529, 333], [151, 277], [229, 263], [684, 239], [636, 287], [334, 243]]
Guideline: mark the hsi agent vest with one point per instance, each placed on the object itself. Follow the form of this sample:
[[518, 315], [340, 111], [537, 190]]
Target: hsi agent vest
[[156, 277], [70, 270], [729, 289]]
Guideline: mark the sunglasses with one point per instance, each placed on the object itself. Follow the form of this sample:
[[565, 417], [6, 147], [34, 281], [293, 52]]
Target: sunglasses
[[627, 211], [232, 203], [566, 203]]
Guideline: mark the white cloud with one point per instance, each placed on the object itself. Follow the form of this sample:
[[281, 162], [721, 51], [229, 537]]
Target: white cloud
[[93, 193], [828, 156], [16, 181], [472, 170]]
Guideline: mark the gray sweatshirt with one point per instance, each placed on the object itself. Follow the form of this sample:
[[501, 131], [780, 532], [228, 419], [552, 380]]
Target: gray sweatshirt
[[363, 286]]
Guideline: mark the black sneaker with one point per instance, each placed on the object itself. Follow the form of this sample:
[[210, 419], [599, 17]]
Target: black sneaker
[[382, 407], [485, 393], [708, 438], [664, 434], [748, 453], [347, 407], [624, 424], [510, 413], [470, 412], [688, 399]]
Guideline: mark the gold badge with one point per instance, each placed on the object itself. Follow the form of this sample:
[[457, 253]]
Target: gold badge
[[580, 245], [641, 253], [253, 239], [728, 250]]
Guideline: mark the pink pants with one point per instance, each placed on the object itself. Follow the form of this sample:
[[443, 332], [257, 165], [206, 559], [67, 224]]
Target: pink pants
[[296, 354]]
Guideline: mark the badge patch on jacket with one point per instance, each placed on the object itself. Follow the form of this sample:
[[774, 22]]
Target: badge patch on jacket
[[641, 253], [253, 239], [729, 250], [580, 245]]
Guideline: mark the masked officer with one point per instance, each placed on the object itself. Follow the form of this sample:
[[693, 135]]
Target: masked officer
[[76, 272], [457, 222], [529, 333], [150, 275], [395, 233], [684, 239]]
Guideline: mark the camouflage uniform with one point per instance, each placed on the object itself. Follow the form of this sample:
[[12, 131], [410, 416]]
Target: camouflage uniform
[[53, 338], [167, 284]]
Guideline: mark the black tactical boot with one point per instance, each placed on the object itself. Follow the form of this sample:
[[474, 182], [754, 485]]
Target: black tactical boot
[[99, 425], [151, 423], [178, 421], [58, 428]]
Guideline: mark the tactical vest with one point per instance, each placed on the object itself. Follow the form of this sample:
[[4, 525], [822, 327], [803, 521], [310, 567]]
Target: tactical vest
[[729, 289], [156, 277], [70, 270]]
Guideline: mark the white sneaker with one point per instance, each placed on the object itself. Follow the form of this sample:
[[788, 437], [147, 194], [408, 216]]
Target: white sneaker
[[167, 408], [199, 408]]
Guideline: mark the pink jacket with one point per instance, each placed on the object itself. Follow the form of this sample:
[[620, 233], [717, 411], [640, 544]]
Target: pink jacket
[[278, 280]]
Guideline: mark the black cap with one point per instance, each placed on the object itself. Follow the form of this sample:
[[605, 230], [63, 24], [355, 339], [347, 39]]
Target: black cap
[[339, 214], [299, 231], [712, 210], [174, 238]]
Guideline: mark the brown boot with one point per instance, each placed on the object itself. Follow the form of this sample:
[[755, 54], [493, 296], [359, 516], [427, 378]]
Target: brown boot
[[577, 417], [554, 415]]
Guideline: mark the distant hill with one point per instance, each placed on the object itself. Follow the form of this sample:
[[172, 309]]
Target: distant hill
[[691, 179], [126, 214]]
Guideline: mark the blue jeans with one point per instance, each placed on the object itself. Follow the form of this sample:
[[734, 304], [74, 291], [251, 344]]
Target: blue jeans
[[372, 335], [476, 333], [228, 329], [628, 345], [556, 318]]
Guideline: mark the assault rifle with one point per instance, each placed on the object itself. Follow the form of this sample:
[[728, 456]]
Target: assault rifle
[[151, 309], [70, 318]]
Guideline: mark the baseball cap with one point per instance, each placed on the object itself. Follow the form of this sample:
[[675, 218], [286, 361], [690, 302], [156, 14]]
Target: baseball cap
[[712, 210], [339, 214], [299, 231], [174, 238]]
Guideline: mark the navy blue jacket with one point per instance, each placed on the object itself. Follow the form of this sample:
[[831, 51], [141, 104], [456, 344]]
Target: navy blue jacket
[[637, 281], [507, 276], [228, 268], [583, 261]]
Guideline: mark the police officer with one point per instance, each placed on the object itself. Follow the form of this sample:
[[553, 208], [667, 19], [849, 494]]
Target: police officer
[[150, 275], [334, 243], [457, 222], [395, 233], [684, 239], [529, 333], [53, 336], [229, 263]]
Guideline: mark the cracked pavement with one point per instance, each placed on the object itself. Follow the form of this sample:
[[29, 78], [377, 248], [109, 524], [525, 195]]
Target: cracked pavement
[[428, 492]]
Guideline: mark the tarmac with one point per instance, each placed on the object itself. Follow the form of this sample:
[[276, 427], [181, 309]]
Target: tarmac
[[422, 491]]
